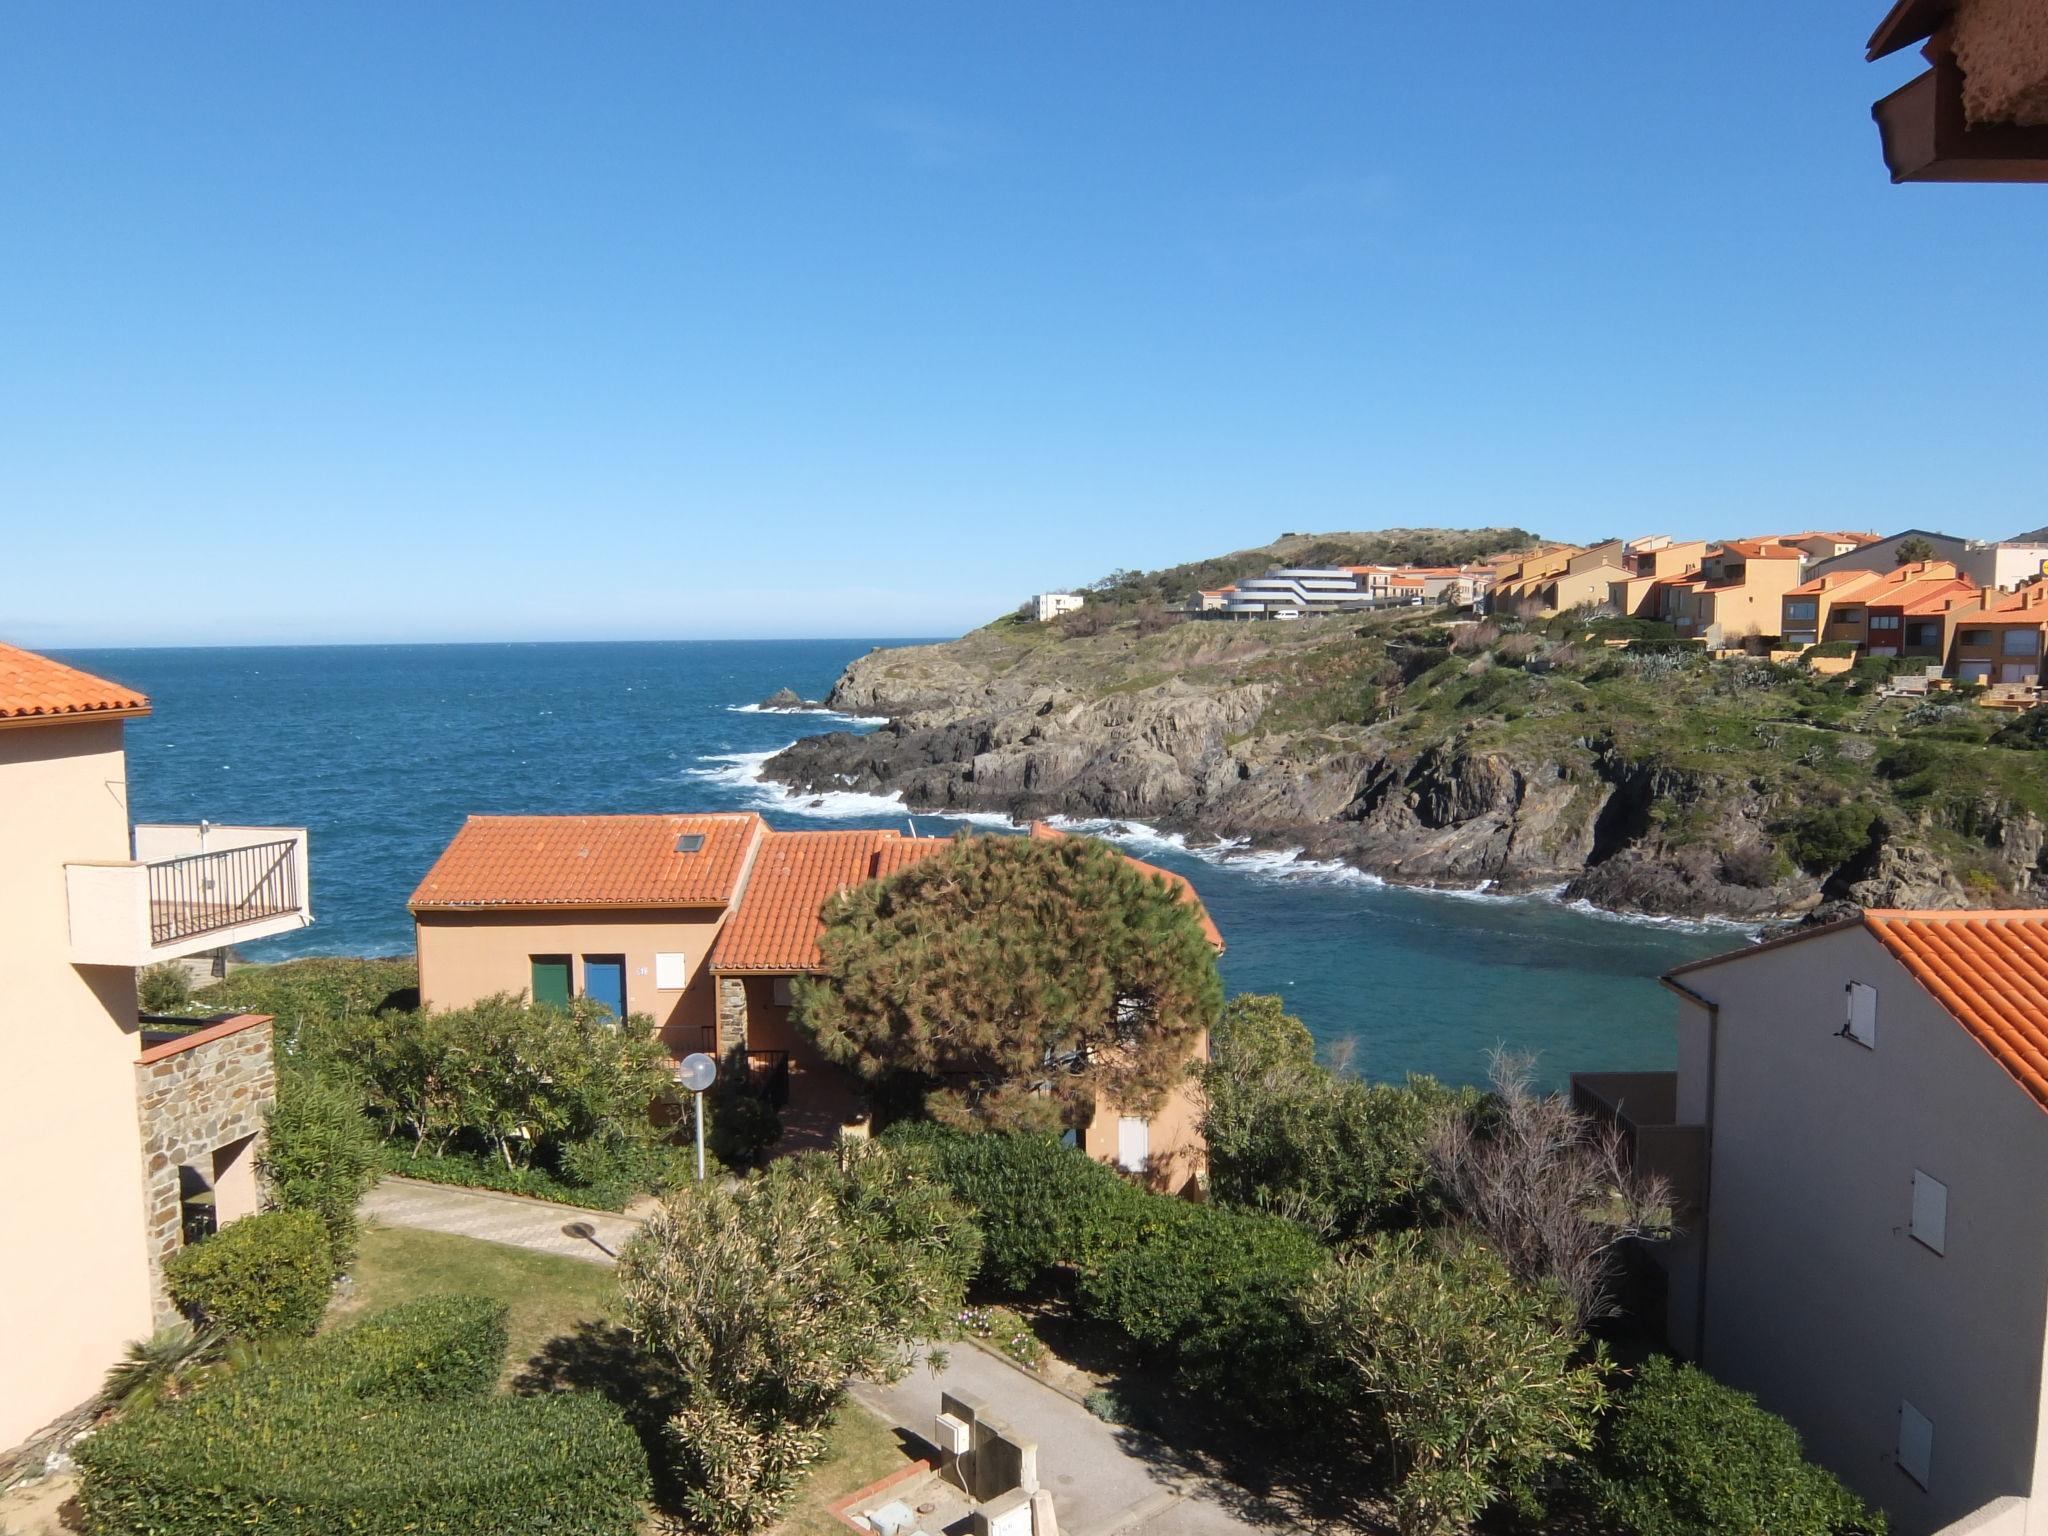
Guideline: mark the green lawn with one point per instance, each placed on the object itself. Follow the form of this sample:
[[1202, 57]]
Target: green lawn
[[555, 1299]]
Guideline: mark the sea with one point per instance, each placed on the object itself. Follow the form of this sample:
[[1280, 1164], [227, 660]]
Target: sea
[[381, 751]]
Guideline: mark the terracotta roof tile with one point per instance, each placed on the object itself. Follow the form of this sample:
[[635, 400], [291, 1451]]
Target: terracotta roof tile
[[775, 927], [590, 861], [1990, 970], [34, 687]]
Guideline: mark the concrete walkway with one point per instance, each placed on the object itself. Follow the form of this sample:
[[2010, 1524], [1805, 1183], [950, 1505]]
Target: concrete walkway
[[1105, 1480], [510, 1219]]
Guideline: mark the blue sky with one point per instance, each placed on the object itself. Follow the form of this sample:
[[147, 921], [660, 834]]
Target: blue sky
[[401, 321]]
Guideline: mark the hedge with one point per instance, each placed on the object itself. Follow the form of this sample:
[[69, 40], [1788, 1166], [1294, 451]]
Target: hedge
[[321, 1154], [383, 1430], [441, 1349], [1043, 1206], [264, 1274], [1684, 1455]]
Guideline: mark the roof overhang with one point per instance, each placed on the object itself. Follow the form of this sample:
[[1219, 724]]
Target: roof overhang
[[73, 717], [1922, 126]]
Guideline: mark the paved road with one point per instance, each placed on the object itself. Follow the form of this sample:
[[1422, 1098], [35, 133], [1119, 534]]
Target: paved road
[[510, 1219], [1105, 1481]]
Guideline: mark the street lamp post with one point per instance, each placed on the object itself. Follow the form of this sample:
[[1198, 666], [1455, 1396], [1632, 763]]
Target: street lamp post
[[697, 1073]]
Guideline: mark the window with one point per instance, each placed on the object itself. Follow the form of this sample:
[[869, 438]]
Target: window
[[1974, 637], [1884, 621], [1848, 616], [1804, 608], [781, 992], [1974, 672], [1916, 1443], [1800, 637], [671, 972], [1923, 634], [2020, 642], [1930, 1212], [551, 980], [1862, 1024], [1133, 1143]]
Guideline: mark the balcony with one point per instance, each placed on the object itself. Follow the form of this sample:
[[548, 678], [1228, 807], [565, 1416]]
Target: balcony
[[1643, 1106], [187, 890]]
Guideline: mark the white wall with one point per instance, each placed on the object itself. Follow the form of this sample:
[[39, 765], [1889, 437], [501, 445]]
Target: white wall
[[1817, 1299]]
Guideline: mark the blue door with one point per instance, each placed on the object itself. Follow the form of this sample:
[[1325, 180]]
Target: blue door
[[604, 981]]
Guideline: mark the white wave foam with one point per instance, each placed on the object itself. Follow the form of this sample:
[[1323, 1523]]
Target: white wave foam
[[809, 714], [742, 770]]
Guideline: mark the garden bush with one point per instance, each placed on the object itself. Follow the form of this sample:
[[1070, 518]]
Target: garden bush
[[298, 993], [340, 1437], [440, 1349], [2024, 733], [1826, 837], [1287, 1135], [1471, 1382], [164, 988], [264, 1274], [1041, 1205], [1209, 1292], [1683, 1455], [321, 1154]]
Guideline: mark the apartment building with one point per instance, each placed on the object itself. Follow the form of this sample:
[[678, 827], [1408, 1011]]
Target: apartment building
[[1737, 592], [1047, 606], [704, 923], [1909, 610], [1647, 562], [1860, 1121], [118, 1139], [2000, 641]]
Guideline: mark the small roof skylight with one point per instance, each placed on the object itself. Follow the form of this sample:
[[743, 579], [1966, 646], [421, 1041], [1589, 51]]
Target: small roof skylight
[[689, 842]]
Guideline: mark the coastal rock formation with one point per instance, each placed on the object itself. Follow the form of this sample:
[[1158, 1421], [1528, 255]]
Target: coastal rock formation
[[1183, 758], [787, 701]]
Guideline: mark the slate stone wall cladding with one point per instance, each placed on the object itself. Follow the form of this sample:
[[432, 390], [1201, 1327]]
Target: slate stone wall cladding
[[194, 1100], [732, 1015]]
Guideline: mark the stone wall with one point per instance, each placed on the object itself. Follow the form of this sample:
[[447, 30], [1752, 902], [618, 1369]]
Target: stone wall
[[201, 1099], [732, 1015]]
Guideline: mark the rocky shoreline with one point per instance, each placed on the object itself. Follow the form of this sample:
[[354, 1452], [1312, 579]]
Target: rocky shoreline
[[965, 735]]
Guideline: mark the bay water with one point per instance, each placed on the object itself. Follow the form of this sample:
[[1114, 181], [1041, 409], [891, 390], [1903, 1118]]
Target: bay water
[[381, 751]]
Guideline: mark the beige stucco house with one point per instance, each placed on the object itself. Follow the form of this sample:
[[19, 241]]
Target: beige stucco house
[[705, 923], [115, 1136], [1860, 1115]]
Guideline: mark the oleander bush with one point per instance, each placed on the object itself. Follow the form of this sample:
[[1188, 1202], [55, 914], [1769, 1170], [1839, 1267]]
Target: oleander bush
[[316, 991], [321, 1154], [164, 988], [1683, 1455], [386, 1429], [265, 1274]]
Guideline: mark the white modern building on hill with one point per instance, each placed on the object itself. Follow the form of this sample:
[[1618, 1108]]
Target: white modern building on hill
[[1048, 606]]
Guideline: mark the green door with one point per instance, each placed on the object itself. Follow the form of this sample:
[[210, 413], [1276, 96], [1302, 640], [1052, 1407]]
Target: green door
[[551, 980]]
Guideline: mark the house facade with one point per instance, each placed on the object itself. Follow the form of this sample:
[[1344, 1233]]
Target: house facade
[[1047, 606], [1862, 1111], [119, 1139], [2001, 640], [706, 923]]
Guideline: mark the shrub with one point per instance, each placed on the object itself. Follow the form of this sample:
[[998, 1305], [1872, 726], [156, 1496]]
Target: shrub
[[1683, 1455], [2024, 733], [762, 1298], [164, 988], [264, 1274], [741, 1123], [298, 993], [321, 1154], [1210, 1293], [1040, 1205], [1826, 837], [1287, 1135], [1833, 648], [283, 1453], [161, 1368], [1463, 1376], [440, 1349]]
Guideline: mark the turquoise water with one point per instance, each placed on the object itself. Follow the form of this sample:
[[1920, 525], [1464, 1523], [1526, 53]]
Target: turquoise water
[[382, 750]]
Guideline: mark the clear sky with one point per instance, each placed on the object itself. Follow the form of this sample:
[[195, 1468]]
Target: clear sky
[[425, 321]]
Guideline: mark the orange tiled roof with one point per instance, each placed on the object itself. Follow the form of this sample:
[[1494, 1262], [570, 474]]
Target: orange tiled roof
[[2029, 605], [775, 926], [590, 861], [34, 687], [1989, 969]]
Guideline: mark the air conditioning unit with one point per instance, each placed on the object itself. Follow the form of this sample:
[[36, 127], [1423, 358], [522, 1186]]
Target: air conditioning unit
[[951, 1435]]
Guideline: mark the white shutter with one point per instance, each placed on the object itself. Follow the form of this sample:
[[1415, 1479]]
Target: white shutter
[[1930, 1211], [671, 972], [781, 993], [1862, 1026], [1133, 1143], [1916, 1443]]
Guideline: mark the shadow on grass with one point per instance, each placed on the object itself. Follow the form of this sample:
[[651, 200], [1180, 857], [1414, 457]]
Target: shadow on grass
[[606, 1359]]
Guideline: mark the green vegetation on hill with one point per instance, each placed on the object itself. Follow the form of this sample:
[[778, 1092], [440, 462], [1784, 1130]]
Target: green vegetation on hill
[[1388, 546]]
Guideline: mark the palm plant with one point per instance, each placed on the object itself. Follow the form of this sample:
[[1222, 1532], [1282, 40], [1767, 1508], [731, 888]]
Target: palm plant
[[161, 1368]]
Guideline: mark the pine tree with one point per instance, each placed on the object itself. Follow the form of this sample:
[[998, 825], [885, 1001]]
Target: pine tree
[[1012, 978]]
